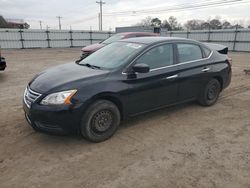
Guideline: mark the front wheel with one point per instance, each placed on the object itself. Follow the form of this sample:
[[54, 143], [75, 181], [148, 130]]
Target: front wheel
[[210, 93], [100, 121]]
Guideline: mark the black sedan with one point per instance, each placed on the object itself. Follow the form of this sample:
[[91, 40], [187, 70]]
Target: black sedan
[[2, 62], [124, 79]]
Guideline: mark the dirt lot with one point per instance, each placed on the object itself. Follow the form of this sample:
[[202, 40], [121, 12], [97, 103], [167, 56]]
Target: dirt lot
[[183, 146]]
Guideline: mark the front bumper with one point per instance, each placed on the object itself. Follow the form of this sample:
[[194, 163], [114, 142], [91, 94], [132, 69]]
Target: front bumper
[[54, 119]]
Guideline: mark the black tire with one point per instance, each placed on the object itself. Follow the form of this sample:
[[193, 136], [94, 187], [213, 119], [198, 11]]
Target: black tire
[[100, 121], [210, 93]]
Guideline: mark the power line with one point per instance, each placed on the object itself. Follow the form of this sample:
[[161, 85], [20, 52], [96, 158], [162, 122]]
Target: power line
[[157, 8], [181, 7], [101, 3], [59, 22], [175, 8]]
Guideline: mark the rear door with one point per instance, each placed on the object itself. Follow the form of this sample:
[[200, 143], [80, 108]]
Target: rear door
[[195, 69]]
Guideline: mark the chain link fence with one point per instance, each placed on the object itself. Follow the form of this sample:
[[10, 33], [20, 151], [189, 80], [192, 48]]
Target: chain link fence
[[31, 38], [235, 39]]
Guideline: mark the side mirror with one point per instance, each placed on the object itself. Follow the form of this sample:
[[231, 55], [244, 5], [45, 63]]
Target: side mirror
[[141, 68]]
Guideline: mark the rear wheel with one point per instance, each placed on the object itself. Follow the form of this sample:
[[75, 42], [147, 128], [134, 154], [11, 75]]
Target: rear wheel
[[100, 121], [210, 93]]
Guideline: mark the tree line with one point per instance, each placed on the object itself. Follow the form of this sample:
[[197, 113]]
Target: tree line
[[172, 24]]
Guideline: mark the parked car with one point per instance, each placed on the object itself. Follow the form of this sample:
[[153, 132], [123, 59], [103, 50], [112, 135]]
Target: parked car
[[121, 80], [2, 62], [86, 51]]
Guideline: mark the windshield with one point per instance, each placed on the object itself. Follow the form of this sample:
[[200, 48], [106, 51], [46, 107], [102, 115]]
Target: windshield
[[114, 38], [112, 56]]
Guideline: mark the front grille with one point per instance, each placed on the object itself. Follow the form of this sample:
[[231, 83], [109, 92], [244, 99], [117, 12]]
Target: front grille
[[30, 96]]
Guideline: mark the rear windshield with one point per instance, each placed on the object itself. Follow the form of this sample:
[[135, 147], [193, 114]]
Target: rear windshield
[[114, 38]]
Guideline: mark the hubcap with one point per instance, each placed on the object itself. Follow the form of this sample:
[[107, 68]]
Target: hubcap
[[212, 92], [102, 121]]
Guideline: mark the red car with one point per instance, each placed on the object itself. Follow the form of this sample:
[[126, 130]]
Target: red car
[[86, 51]]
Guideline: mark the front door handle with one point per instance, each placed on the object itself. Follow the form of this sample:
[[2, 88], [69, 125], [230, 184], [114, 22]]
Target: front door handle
[[205, 69], [172, 77]]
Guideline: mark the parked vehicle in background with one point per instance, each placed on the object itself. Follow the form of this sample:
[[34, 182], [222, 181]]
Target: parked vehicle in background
[[2, 62], [123, 79], [86, 51]]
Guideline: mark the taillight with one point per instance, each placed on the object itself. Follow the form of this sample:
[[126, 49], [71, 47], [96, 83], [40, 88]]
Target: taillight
[[230, 61]]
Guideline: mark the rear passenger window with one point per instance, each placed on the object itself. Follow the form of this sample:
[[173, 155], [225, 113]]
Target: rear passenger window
[[189, 52], [207, 52], [157, 57]]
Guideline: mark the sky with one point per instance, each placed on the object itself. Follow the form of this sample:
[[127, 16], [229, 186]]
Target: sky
[[83, 14]]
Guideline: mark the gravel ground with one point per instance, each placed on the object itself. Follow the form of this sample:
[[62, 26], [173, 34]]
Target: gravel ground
[[183, 146]]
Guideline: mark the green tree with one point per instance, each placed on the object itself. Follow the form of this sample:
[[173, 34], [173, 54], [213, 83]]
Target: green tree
[[156, 22]]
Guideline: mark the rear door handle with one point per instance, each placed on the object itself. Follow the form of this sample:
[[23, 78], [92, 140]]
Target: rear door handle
[[172, 77], [205, 69]]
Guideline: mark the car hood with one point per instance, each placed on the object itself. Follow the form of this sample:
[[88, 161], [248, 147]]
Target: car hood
[[93, 47], [65, 77]]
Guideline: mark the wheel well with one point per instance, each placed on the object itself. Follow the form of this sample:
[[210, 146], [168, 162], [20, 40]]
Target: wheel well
[[114, 100], [220, 80]]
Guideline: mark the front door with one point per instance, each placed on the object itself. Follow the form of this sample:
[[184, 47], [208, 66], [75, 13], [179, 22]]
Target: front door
[[157, 88]]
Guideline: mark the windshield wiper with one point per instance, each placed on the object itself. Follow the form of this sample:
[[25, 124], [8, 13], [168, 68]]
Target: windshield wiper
[[91, 66]]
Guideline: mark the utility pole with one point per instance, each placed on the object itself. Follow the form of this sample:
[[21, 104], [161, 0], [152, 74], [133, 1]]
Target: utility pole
[[59, 20], [99, 21], [40, 22], [100, 18]]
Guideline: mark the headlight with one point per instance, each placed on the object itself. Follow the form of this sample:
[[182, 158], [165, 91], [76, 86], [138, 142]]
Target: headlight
[[63, 97]]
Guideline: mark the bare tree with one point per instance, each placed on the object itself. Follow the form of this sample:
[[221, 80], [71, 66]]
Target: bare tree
[[173, 22], [165, 24], [205, 25], [194, 24], [145, 22], [226, 25], [215, 24]]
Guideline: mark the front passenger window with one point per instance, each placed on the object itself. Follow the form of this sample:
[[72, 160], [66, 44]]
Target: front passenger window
[[157, 57]]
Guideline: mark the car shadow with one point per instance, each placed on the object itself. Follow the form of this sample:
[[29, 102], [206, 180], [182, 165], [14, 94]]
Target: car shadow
[[126, 124], [3, 76], [166, 111]]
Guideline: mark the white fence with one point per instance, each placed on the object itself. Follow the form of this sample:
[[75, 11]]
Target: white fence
[[236, 40], [30, 38]]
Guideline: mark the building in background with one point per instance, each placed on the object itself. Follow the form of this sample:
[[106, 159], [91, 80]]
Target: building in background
[[13, 23], [162, 31]]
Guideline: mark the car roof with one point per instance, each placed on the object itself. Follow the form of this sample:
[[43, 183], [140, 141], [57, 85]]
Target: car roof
[[139, 33], [152, 40]]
